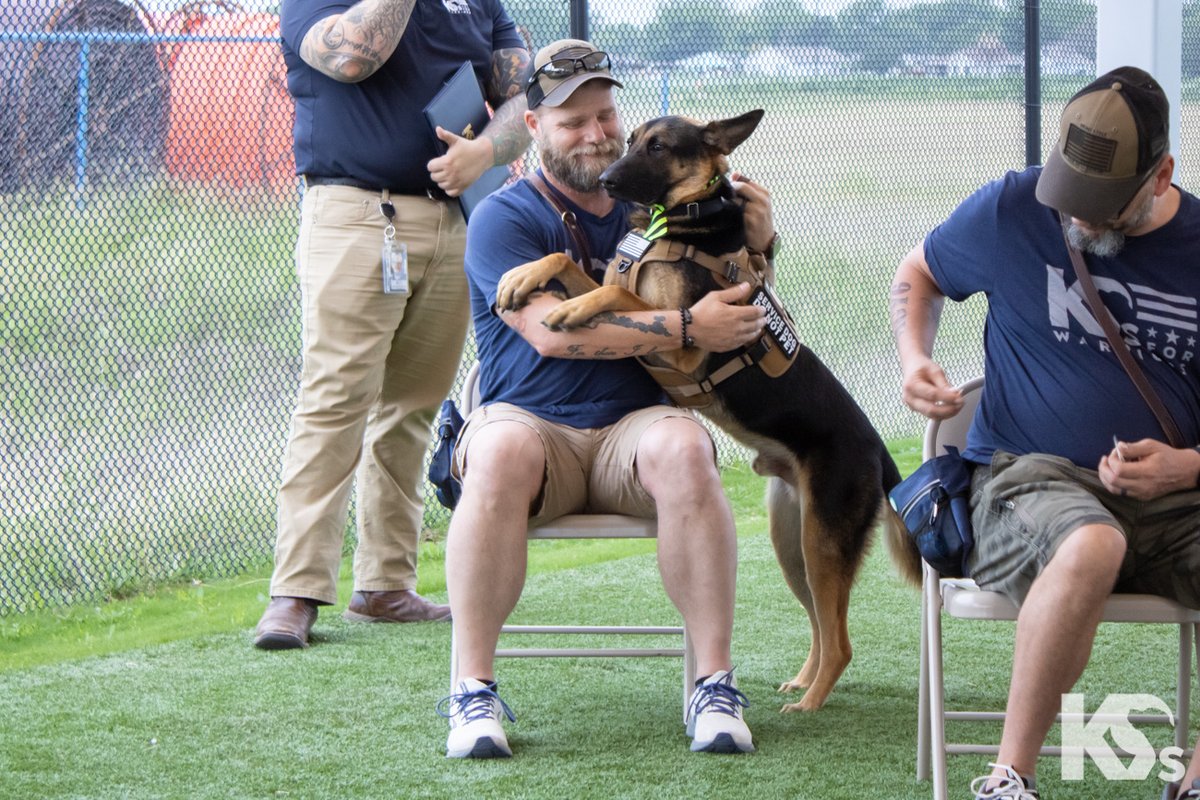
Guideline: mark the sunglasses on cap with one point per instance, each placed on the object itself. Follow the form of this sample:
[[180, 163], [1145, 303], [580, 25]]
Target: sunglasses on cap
[[558, 69]]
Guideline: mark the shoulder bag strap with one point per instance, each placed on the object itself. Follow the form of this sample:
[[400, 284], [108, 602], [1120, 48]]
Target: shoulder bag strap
[[1117, 342], [568, 218]]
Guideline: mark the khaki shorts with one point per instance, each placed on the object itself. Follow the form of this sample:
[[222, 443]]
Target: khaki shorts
[[1023, 507], [588, 470]]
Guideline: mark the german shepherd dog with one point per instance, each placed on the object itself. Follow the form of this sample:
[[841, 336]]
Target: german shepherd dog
[[829, 471]]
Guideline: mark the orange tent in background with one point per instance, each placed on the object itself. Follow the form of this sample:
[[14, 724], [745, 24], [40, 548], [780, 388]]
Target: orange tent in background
[[230, 114]]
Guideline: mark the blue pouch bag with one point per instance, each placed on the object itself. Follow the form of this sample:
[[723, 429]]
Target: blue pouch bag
[[933, 502], [449, 425]]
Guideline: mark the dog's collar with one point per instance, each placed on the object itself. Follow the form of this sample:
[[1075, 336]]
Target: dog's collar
[[656, 228]]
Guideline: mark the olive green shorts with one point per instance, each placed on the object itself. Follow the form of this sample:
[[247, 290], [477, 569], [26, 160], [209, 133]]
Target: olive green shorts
[[1023, 507]]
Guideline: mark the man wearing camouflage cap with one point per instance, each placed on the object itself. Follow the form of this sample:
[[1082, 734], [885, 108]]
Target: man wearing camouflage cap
[[1075, 491]]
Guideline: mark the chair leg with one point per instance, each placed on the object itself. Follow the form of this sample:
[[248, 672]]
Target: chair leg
[[1183, 680], [923, 699], [937, 721]]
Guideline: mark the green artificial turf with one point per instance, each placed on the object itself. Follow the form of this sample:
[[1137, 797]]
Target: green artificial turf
[[162, 696]]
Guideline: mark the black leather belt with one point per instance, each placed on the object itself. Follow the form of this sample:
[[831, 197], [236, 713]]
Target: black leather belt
[[432, 192]]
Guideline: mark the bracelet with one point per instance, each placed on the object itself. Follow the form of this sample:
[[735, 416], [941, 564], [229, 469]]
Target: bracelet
[[685, 316]]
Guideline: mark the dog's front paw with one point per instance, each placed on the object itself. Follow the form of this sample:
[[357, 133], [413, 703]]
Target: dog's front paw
[[515, 287], [568, 315]]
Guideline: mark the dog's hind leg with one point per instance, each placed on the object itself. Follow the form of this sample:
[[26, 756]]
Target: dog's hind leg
[[830, 579], [786, 515]]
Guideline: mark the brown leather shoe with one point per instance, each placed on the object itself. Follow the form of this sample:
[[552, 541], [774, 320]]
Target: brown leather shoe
[[401, 606], [286, 623]]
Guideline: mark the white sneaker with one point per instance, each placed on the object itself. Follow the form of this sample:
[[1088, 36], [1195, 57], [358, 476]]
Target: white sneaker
[[474, 714], [714, 718], [1007, 786]]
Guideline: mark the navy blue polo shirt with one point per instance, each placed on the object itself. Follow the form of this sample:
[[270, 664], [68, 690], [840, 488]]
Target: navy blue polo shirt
[[374, 131]]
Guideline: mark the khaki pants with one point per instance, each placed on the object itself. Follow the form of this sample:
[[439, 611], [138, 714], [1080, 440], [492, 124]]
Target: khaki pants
[[376, 368]]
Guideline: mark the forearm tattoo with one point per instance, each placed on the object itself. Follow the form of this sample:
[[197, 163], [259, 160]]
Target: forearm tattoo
[[658, 327], [898, 306], [900, 309], [506, 93], [351, 46]]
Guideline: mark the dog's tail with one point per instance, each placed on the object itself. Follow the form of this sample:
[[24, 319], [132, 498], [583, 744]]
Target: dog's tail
[[900, 545]]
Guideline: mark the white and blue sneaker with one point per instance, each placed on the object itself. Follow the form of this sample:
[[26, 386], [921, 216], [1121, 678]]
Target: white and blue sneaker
[[474, 712], [1008, 785], [714, 716]]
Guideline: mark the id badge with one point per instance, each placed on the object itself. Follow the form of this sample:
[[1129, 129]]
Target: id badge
[[395, 266]]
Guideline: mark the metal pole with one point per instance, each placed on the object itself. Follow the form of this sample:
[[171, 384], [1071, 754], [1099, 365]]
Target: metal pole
[[579, 19], [83, 85], [1033, 84]]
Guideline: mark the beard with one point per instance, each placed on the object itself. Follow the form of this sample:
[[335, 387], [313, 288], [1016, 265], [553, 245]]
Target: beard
[[580, 168], [1107, 242], [1104, 243]]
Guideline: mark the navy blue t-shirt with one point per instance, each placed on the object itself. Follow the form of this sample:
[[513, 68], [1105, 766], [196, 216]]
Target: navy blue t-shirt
[[514, 226], [374, 131], [1052, 383]]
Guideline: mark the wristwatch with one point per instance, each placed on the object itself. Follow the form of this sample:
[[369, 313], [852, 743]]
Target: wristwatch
[[771, 249]]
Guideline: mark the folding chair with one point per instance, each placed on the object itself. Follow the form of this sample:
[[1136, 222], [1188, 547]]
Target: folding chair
[[961, 598], [584, 526]]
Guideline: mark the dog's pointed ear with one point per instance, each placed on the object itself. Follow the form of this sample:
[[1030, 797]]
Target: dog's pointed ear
[[726, 134]]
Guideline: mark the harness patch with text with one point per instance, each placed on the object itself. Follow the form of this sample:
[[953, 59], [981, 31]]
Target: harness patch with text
[[779, 327]]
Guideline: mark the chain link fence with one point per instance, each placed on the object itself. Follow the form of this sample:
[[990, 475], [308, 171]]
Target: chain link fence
[[149, 325]]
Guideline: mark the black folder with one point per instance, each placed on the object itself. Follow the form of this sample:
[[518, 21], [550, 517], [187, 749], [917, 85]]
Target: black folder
[[458, 107]]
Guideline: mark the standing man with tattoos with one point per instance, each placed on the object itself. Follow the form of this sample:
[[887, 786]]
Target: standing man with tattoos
[[380, 349], [570, 422]]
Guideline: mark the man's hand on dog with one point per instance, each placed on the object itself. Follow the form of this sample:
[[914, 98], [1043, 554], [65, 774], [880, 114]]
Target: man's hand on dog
[[756, 205], [718, 325]]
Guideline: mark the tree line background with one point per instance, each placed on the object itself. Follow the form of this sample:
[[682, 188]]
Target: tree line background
[[872, 32]]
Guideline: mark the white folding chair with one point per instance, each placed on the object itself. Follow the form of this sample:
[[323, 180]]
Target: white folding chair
[[961, 598], [584, 526]]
